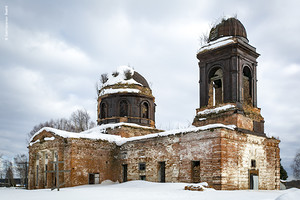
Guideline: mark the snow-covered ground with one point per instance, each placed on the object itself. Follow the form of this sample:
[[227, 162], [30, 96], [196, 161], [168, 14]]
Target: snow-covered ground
[[137, 190]]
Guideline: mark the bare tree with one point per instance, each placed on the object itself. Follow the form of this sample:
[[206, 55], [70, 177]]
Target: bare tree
[[9, 175], [21, 161], [63, 124], [80, 119], [296, 165]]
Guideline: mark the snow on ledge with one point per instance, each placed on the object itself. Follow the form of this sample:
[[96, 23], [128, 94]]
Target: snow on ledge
[[49, 138], [120, 90], [217, 43], [32, 143], [215, 110], [99, 133]]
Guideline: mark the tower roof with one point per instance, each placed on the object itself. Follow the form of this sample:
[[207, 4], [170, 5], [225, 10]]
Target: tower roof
[[228, 27], [140, 79], [125, 75], [124, 80]]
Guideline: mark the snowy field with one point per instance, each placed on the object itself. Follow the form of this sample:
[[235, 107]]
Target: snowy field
[[137, 190]]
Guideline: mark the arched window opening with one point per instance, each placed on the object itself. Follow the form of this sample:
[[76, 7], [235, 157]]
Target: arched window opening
[[145, 110], [216, 87], [247, 86], [103, 111], [123, 108]]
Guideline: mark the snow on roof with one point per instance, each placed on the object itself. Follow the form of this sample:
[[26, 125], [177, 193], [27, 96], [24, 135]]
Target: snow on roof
[[119, 90], [119, 77], [177, 131], [216, 110], [217, 43], [98, 133]]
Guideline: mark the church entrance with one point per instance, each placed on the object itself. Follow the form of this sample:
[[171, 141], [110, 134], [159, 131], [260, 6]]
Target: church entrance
[[253, 182]]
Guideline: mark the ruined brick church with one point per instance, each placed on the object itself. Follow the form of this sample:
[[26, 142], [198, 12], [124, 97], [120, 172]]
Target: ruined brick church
[[226, 147]]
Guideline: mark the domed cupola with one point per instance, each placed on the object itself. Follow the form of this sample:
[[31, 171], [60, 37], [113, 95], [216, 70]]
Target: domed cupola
[[228, 27], [125, 96]]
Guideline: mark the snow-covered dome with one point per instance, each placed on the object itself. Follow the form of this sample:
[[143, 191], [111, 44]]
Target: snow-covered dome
[[124, 79], [125, 75], [228, 27], [125, 96]]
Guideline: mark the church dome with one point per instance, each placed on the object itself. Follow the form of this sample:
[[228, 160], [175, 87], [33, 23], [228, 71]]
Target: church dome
[[124, 76], [125, 96], [140, 79], [228, 27]]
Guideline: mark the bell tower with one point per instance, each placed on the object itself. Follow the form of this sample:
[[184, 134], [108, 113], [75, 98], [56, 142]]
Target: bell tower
[[228, 81]]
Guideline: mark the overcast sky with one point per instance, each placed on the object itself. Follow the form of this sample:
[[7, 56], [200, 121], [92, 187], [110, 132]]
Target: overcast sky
[[56, 51]]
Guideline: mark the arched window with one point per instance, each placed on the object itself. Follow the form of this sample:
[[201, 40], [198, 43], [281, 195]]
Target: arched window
[[247, 85], [216, 87], [123, 108], [103, 110], [145, 110]]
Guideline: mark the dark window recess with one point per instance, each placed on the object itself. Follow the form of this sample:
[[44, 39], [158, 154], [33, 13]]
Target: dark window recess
[[162, 172], [46, 174], [124, 166], [196, 171], [37, 176], [103, 111], [123, 108], [143, 178], [145, 110], [253, 163], [91, 178], [142, 166], [247, 84]]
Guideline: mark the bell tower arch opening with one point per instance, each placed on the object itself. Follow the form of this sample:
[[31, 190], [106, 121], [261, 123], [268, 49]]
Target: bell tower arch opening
[[247, 86], [215, 86]]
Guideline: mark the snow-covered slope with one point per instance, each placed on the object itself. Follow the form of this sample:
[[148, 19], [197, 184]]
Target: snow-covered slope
[[137, 190]]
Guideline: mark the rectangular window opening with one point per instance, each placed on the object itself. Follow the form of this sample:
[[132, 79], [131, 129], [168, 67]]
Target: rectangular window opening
[[253, 163], [142, 166]]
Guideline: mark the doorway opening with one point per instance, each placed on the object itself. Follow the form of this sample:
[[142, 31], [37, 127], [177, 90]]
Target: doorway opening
[[162, 172]]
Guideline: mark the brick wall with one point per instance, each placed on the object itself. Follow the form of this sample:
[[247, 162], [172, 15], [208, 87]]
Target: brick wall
[[224, 156]]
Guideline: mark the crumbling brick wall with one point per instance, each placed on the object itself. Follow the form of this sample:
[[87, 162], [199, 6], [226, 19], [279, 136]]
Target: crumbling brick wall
[[238, 150], [225, 158], [177, 151], [80, 156]]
